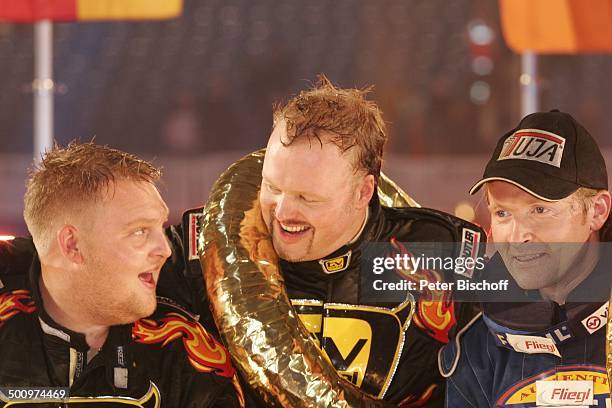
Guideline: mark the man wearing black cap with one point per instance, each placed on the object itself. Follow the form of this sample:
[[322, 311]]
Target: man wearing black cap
[[542, 341]]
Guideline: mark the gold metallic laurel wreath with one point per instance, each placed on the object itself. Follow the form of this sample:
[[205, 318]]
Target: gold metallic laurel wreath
[[264, 335]]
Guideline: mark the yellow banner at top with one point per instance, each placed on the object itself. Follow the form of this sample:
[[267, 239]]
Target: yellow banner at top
[[128, 9], [29, 11]]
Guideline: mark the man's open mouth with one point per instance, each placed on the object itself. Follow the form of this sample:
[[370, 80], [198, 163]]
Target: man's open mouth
[[528, 257], [147, 279], [293, 229]]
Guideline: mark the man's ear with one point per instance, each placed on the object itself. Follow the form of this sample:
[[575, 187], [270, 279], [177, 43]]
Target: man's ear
[[68, 241], [601, 209], [366, 191]]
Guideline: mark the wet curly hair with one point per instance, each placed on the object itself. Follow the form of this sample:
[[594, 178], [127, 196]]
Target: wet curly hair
[[343, 116]]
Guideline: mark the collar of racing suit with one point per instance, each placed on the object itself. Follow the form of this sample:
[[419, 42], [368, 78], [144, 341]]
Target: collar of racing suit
[[391, 226], [48, 325], [529, 314], [341, 284], [350, 252], [57, 338]]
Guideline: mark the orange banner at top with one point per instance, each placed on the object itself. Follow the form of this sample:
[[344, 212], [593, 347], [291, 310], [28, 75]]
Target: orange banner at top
[[28, 11], [557, 26]]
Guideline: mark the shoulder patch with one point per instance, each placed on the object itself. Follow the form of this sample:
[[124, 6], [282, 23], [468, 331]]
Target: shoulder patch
[[470, 248], [11, 303], [597, 319], [205, 353], [192, 224]]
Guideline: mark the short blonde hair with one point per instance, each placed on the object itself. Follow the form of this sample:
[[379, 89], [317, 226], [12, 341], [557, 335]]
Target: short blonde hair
[[583, 197], [70, 177]]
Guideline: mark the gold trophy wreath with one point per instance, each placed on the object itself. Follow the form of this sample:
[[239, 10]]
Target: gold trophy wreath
[[267, 341]]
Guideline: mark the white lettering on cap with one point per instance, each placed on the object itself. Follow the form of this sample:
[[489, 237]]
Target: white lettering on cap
[[534, 144]]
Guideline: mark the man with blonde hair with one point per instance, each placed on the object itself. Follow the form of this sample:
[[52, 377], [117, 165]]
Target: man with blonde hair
[[541, 342], [83, 318]]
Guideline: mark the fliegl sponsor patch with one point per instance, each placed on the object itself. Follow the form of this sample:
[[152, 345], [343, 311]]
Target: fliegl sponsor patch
[[564, 393], [534, 144], [532, 344], [565, 389]]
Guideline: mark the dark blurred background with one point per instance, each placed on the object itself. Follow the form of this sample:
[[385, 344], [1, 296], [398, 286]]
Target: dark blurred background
[[195, 93]]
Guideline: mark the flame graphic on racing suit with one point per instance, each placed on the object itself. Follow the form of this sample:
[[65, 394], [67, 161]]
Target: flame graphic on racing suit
[[435, 312], [204, 352], [417, 402], [12, 303]]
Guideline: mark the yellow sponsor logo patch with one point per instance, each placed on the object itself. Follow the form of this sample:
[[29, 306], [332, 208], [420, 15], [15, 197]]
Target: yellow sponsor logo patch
[[352, 339], [363, 343], [337, 264]]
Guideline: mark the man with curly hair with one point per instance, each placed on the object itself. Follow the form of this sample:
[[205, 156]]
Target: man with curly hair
[[319, 201]]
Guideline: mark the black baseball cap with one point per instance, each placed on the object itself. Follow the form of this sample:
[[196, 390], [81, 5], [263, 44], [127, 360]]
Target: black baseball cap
[[549, 155]]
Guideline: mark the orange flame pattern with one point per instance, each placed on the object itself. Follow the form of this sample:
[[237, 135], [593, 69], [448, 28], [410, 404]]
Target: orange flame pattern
[[204, 352], [421, 401], [14, 302], [435, 312]]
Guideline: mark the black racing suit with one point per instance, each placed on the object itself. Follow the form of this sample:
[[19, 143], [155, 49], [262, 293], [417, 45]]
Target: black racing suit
[[151, 363], [370, 345], [375, 346], [416, 381]]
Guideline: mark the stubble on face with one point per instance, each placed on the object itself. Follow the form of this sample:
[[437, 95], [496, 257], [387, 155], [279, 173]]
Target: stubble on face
[[285, 252], [305, 251], [551, 250], [321, 186], [530, 264], [107, 303], [108, 283]]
